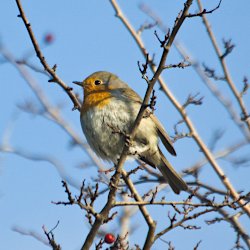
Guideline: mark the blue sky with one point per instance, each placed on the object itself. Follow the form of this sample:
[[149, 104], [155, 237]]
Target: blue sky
[[88, 37]]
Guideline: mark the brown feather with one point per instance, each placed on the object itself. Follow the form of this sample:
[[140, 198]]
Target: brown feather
[[173, 178], [163, 135]]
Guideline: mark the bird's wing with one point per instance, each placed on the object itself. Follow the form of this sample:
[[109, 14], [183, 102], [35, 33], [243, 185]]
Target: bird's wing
[[129, 94], [163, 135], [133, 96]]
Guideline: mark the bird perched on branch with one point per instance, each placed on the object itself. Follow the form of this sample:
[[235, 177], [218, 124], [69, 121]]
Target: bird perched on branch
[[108, 113]]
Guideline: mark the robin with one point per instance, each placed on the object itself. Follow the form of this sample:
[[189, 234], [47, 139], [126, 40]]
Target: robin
[[109, 110]]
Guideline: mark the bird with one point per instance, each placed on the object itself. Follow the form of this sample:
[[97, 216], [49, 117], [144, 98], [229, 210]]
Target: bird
[[107, 115]]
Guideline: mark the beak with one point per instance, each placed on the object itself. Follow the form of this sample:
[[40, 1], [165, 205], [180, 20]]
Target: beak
[[78, 83]]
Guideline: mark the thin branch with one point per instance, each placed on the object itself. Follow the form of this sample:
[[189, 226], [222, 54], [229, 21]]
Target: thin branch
[[88, 198], [180, 222], [177, 203], [193, 99], [203, 12], [228, 78], [181, 65], [51, 238], [50, 70]]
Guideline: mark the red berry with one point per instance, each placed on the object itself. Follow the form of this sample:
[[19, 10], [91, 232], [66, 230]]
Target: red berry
[[49, 38], [109, 238]]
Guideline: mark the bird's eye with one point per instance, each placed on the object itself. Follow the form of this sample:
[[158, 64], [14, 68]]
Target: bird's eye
[[98, 82]]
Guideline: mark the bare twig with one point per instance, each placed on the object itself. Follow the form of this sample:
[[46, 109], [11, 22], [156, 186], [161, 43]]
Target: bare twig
[[204, 11], [175, 224], [51, 238], [228, 46], [197, 245], [211, 73], [181, 65], [192, 99], [245, 87]]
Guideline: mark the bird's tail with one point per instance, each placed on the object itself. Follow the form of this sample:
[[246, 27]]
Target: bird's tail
[[171, 176]]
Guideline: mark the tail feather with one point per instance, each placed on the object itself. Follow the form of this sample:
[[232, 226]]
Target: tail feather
[[172, 177]]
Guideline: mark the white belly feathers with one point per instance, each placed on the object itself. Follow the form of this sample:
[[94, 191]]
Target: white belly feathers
[[105, 130]]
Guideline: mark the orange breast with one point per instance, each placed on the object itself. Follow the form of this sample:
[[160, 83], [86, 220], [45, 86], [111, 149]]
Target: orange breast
[[95, 99]]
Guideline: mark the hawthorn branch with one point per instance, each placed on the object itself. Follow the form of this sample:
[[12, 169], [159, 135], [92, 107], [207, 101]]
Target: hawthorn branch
[[224, 179], [126, 147]]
